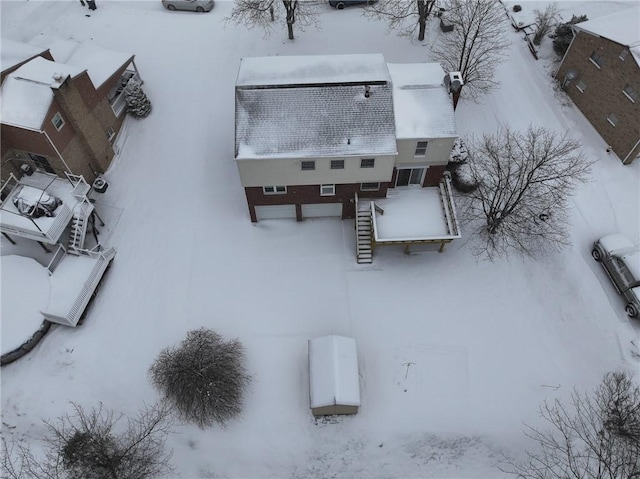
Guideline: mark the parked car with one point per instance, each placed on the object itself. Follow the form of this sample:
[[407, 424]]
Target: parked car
[[191, 5], [340, 4], [620, 258]]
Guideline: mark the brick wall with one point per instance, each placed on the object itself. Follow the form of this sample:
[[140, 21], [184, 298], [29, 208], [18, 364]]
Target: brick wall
[[603, 90], [310, 194]]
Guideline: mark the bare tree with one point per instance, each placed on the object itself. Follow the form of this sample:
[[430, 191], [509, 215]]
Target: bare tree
[[85, 445], [476, 45], [264, 13], [203, 378], [545, 21], [524, 181], [404, 17], [593, 438]]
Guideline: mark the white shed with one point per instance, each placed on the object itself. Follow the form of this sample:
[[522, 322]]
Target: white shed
[[334, 383]]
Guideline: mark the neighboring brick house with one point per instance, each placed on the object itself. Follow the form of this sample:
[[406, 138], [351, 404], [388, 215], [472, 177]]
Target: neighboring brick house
[[601, 74], [311, 132], [63, 115], [15, 54]]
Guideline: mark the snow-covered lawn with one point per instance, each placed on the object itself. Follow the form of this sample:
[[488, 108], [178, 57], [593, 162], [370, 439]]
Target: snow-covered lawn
[[454, 355]]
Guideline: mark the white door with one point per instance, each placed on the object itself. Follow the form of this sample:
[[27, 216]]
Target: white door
[[319, 210], [272, 212]]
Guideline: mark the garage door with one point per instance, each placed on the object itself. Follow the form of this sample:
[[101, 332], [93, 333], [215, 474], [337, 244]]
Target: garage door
[[319, 210], [275, 212]]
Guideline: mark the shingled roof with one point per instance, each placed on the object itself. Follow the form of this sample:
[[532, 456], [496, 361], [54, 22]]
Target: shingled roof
[[310, 107]]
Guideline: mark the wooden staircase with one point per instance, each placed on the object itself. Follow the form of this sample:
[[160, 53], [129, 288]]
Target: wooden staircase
[[79, 223], [364, 247]]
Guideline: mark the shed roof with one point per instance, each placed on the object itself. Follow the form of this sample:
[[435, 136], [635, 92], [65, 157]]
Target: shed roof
[[13, 53], [423, 107], [314, 121], [333, 372], [26, 93], [311, 69], [99, 62]]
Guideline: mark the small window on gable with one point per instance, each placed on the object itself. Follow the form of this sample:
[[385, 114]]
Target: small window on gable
[[57, 121], [613, 119], [421, 148], [581, 86], [274, 190], [327, 190], [596, 59], [630, 93], [623, 54], [367, 163], [308, 165], [369, 186], [337, 164]]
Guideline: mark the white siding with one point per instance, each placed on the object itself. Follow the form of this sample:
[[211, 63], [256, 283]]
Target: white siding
[[438, 151], [289, 171]]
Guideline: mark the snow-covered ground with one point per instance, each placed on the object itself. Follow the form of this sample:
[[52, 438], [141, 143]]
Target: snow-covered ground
[[455, 355]]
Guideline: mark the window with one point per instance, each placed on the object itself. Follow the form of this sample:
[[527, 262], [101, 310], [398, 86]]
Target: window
[[613, 119], [274, 190], [308, 165], [623, 54], [421, 148], [581, 86], [369, 186], [630, 93], [327, 190], [337, 164], [367, 163], [110, 134], [596, 60], [57, 121]]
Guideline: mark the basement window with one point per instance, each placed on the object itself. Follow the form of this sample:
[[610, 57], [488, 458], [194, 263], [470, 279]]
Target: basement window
[[581, 86], [369, 186], [274, 190], [308, 165], [613, 119], [57, 121], [327, 190], [630, 93], [596, 60]]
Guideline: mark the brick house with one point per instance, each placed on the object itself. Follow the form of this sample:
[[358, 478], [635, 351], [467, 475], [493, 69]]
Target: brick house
[[312, 132], [62, 108], [601, 74]]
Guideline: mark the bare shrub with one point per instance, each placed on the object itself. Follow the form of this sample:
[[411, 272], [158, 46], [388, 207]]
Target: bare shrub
[[595, 437], [86, 445], [203, 378], [545, 21]]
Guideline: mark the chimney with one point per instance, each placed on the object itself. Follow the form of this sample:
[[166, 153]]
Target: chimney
[[453, 81]]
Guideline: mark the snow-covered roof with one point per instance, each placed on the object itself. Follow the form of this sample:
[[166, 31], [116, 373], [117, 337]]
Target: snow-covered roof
[[99, 62], [318, 120], [13, 53], [423, 107], [333, 372], [621, 27], [26, 93], [315, 69]]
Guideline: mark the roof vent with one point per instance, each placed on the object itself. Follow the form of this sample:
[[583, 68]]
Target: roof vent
[[367, 91], [57, 77]]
